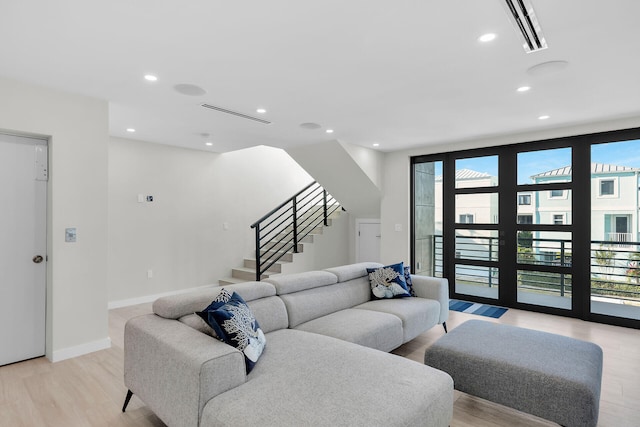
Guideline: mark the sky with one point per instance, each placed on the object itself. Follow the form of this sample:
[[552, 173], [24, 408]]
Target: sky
[[626, 153]]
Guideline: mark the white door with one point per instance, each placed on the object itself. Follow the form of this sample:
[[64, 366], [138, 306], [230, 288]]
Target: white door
[[23, 192], [369, 241]]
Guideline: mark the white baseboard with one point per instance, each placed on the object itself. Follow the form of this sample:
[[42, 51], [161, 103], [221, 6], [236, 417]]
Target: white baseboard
[[151, 298], [79, 350]]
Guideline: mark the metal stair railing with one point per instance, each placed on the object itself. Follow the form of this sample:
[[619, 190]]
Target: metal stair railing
[[281, 230]]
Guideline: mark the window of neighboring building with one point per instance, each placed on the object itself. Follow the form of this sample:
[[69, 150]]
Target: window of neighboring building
[[524, 199], [556, 193], [558, 219], [466, 219], [607, 187], [525, 219]]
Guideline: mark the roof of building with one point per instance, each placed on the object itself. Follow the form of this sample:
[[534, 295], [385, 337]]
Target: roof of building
[[595, 168], [467, 174]]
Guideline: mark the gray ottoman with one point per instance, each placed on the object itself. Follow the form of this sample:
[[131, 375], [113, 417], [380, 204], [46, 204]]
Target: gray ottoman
[[547, 375]]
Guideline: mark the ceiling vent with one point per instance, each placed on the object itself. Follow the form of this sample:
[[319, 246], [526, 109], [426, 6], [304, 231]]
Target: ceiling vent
[[235, 113], [524, 19]]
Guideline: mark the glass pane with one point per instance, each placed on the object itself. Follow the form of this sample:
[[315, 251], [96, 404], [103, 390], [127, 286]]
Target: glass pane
[[428, 218], [544, 207], [477, 244], [544, 248], [477, 172], [479, 208], [615, 243], [546, 289], [544, 166], [478, 281]]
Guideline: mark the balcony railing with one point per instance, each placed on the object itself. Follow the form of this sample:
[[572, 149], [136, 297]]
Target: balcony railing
[[614, 265]]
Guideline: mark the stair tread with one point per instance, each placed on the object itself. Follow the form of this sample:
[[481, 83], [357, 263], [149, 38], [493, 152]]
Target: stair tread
[[277, 262], [253, 270], [231, 280]]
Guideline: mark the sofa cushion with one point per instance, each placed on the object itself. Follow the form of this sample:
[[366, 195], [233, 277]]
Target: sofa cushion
[[288, 283], [176, 306], [417, 314], [235, 324], [388, 281], [378, 330], [352, 271], [313, 303], [270, 312], [348, 385]]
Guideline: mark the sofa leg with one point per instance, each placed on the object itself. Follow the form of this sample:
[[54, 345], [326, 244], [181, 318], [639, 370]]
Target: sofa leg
[[127, 399], [444, 325]]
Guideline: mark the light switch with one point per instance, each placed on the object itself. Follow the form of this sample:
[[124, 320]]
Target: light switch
[[225, 226], [140, 198]]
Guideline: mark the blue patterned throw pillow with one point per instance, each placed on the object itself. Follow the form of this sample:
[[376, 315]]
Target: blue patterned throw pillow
[[234, 323], [388, 281], [407, 279]]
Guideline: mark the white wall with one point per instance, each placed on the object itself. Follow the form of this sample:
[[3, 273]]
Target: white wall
[[76, 272], [180, 236], [395, 245], [350, 179]]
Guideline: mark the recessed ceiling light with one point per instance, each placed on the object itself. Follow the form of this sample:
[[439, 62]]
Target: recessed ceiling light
[[261, 110], [208, 143], [131, 130], [376, 145], [150, 78], [545, 117], [486, 37], [523, 88], [329, 131]]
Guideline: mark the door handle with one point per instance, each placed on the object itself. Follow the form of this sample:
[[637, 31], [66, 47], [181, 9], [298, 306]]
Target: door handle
[[38, 259]]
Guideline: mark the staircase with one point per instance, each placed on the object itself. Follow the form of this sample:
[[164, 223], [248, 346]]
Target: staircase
[[283, 232], [286, 260]]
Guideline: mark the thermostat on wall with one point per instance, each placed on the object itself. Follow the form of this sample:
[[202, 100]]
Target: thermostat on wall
[[70, 235]]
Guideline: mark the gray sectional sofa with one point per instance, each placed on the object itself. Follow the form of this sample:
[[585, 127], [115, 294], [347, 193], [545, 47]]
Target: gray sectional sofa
[[325, 361]]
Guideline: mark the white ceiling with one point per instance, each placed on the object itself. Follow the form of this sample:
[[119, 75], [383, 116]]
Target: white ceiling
[[401, 73]]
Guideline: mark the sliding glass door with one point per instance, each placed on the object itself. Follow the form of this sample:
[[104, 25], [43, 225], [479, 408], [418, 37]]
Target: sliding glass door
[[544, 227], [615, 246], [476, 226]]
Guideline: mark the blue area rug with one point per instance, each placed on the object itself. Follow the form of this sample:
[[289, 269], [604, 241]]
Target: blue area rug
[[475, 308]]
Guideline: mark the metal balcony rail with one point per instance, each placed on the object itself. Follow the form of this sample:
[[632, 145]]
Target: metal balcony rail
[[283, 228], [614, 265]]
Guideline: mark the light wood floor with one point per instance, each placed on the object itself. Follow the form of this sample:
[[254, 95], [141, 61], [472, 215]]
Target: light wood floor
[[89, 391]]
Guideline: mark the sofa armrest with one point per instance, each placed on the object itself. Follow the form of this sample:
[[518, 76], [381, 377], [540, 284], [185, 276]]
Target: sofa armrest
[[433, 288], [176, 370]]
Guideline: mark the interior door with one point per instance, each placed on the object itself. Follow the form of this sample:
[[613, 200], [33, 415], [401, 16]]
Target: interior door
[[23, 191], [369, 242]]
